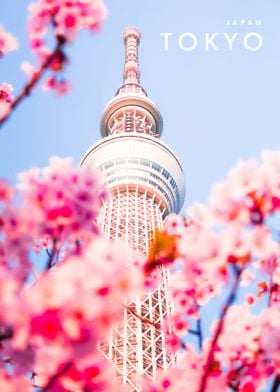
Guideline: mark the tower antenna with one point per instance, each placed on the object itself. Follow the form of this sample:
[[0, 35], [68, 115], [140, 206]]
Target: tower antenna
[[131, 72]]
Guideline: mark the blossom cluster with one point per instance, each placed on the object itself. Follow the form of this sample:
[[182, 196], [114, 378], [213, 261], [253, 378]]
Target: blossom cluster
[[60, 206], [50, 327], [51, 23], [66, 19], [64, 201], [57, 322], [6, 97], [228, 247], [8, 42]]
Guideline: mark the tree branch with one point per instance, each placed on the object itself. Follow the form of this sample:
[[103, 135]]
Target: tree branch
[[276, 383], [219, 330], [199, 333], [143, 319], [55, 377], [51, 255], [27, 89], [7, 334]]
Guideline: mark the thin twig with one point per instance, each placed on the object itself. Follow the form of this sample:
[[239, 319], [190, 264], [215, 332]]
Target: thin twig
[[193, 332], [52, 254], [276, 384], [8, 334], [27, 89], [143, 319], [199, 333], [219, 330], [54, 378]]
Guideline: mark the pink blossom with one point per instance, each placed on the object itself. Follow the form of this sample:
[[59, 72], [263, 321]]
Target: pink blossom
[[270, 336], [91, 373], [28, 69], [8, 42], [11, 383], [172, 222], [65, 202], [200, 215], [61, 87], [186, 376], [67, 17], [250, 193], [178, 323], [64, 19], [64, 324], [247, 277], [6, 191], [17, 230], [240, 340], [6, 98], [202, 269]]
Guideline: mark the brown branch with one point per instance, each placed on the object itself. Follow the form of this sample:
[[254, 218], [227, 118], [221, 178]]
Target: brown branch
[[27, 89], [143, 319], [8, 334], [199, 333], [56, 376], [51, 255], [276, 383], [219, 330]]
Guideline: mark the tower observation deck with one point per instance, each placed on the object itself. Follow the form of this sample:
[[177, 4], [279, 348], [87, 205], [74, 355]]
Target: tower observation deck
[[146, 183]]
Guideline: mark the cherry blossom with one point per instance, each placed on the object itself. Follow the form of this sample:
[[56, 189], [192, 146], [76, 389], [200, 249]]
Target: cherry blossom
[[64, 202], [68, 18], [51, 25], [185, 376], [9, 383], [6, 98], [28, 69], [250, 193], [229, 246], [67, 321], [8, 42], [61, 87]]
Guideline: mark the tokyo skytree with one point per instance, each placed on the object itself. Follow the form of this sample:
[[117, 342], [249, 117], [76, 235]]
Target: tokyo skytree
[[146, 183]]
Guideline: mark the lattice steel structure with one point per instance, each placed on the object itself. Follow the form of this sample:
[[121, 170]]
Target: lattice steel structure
[[146, 183]]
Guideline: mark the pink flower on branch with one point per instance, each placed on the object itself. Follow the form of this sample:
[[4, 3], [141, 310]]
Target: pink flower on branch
[[8, 42], [221, 247], [251, 192], [60, 208], [61, 87], [6, 98], [12, 383], [64, 201], [65, 19]]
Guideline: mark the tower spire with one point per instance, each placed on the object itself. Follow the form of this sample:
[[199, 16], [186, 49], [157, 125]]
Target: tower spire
[[131, 72], [131, 111]]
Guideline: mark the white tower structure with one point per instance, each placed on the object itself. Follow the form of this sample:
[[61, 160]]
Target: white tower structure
[[146, 184]]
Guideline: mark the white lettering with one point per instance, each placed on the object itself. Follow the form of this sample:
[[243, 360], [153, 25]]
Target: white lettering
[[166, 40], [230, 40], [194, 43], [257, 46], [209, 41]]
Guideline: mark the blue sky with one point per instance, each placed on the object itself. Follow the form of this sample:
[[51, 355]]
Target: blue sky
[[217, 106]]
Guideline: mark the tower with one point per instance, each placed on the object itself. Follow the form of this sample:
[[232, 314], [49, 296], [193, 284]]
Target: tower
[[146, 183]]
